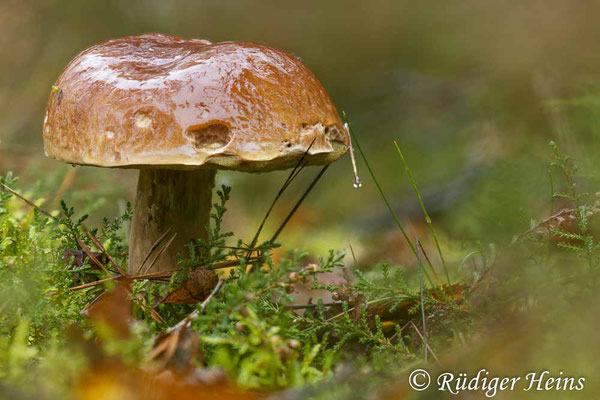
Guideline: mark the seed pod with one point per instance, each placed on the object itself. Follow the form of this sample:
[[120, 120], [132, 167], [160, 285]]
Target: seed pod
[[293, 277]]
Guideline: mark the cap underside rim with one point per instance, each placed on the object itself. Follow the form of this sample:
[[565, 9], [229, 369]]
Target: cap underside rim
[[229, 162]]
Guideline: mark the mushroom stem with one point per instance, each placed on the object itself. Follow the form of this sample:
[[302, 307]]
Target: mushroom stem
[[169, 199]]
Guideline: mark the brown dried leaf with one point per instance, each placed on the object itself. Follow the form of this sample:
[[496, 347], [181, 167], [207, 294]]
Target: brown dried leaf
[[177, 350], [198, 285], [112, 309], [115, 382]]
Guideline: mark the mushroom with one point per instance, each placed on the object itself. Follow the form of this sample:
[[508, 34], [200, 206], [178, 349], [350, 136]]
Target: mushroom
[[180, 109]]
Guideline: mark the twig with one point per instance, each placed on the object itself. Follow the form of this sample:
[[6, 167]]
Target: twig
[[97, 243], [424, 341], [27, 201], [564, 211], [192, 316], [212, 294], [153, 313], [154, 275], [162, 274], [95, 283], [91, 255], [391, 339]]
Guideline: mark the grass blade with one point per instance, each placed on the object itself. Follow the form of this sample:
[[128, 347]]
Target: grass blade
[[298, 203], [427, 218], [293, 174], [385, 200], [418, 245]]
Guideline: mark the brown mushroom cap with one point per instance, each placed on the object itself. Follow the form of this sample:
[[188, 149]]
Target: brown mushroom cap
[[157, 101]]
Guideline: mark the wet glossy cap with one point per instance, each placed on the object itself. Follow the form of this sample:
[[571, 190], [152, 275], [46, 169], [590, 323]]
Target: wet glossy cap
[[157, 101]]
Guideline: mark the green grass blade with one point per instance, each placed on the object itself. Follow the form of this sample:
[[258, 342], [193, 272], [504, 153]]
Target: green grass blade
[[425, 213], [385, 200]]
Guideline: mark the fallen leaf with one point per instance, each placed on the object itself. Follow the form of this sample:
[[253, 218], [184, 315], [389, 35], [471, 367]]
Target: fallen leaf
[[176, 350], [112, 309], [115, 382], [197, 286]]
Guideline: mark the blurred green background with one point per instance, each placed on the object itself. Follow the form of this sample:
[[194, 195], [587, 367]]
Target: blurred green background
[[472, 90]]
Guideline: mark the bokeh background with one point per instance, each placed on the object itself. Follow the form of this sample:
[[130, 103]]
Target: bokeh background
[[473, 91]]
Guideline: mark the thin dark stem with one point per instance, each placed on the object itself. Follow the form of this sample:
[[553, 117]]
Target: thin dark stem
[[158, 254], [424, 341], [97, 243], [293, 174], [190, 318], [298, 203], [154, 246], [91, 255]]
